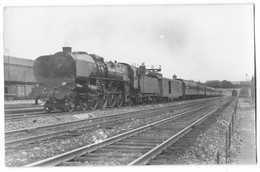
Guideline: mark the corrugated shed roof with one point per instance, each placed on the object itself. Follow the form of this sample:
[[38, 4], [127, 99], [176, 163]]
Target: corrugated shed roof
[[18, 61]]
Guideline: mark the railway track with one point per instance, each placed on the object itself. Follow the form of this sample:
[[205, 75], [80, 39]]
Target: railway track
[[14, 105], [26, 115], [18, 137], [137, 146], [33, 111], [172, 154], [23, 110]]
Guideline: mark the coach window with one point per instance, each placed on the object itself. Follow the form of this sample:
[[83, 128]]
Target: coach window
[[170, 86], [6, 90]]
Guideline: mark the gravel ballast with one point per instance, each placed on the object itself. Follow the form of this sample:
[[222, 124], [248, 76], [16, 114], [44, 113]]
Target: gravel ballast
[[48, 148], [203, 148], [44, 149], [49, 120]]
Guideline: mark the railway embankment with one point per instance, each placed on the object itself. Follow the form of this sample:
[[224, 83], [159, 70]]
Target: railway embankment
[[215, 144]]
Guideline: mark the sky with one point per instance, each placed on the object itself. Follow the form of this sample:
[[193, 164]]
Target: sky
[[194, 42]]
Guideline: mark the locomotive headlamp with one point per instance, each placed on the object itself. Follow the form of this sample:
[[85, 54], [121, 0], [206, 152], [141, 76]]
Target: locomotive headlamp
[[64, 83]]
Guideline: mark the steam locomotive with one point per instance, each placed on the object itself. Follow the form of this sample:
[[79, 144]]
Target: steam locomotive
[[69, 80]]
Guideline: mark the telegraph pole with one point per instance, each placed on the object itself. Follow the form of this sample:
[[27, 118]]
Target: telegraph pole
[[8, 68]]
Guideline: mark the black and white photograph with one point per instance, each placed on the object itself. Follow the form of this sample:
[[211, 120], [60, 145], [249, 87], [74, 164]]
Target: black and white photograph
[[129, 85]]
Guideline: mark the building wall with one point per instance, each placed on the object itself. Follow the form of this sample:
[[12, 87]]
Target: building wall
[[18, 69], [19, 77]]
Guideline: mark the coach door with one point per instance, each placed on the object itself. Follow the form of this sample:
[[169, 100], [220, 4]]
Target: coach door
[[160, 86]]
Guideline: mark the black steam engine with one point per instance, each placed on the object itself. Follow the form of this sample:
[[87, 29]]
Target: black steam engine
[[68, 80]]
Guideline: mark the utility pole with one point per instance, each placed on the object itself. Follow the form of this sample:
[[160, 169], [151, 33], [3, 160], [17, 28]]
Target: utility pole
[[8, 68]]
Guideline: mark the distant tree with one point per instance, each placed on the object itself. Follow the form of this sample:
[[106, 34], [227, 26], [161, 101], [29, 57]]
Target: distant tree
[[226, 84], [214, 84]]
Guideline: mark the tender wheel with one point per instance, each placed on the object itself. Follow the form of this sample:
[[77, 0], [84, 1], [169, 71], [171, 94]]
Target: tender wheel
[[69, 105], [93, 103], [102, 102], [119, 100], [146, 100], [83, 105], [111, 100]]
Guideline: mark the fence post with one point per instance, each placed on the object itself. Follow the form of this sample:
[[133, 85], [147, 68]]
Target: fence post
[[226, 145], [232, 119], [236, 107], [229, 136], [218, 157]]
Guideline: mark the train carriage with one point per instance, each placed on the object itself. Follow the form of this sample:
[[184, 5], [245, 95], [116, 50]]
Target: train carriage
[[202, 90], [170, 89], [190, 90], [210, 91]]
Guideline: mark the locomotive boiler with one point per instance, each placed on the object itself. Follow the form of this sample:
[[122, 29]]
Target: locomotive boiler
[[70, 79]]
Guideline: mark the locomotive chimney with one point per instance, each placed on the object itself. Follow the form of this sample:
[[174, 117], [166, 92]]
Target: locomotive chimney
[[66, 49]]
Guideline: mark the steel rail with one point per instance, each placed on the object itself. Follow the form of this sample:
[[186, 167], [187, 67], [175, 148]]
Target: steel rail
[[24, 115], [21, 106], [10, 111]]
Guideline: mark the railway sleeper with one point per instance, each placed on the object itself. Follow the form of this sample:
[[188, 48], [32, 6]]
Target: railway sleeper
[[68, 136], [161, 130], [149, 137], [104, 158], [165, 134], [135, 144], [107, 154], [122, 151], [115, 146], [157, 134], [142, 140], [167, 154]]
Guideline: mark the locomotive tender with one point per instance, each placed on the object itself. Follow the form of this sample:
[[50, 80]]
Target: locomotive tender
[[67, 80]]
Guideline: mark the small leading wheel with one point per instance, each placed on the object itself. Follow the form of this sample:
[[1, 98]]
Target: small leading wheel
[[48, 109], [119, 100], [111, 100], [102, 102], [69, 105], [83, 105], [93, 103], [41, 102]]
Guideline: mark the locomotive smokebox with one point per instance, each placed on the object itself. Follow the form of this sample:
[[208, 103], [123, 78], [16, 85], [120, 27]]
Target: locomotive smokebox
[[66, 49]]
